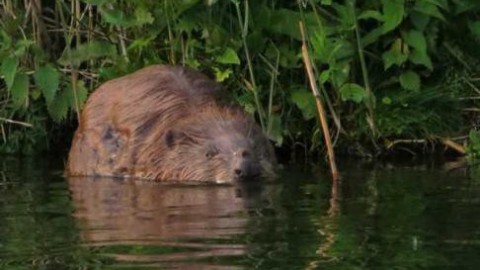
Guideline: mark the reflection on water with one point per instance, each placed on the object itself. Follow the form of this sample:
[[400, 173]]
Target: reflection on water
[[139, 214], [377, 217]]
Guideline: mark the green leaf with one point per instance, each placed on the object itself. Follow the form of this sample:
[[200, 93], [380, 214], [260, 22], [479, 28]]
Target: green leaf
[[428, 8], [416, 39], [353, 92], [142, 17], [275, 131], [229, 56], [282, 21], [95, 2], [76, 102], [319, 44], [371, 14], [324, 76], [372, 36], [19, 89], [58, 109], [397, 55], [474, 28], [221, 75], [9, 69], [386, 100], [115, 17], [419, 20], [87, 51], [305, 101], [211, 2], [393, 13], [420, 58], [47, 79], [410, 80]]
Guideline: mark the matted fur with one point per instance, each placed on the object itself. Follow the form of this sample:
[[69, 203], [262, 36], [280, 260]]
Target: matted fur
[[166, 123]]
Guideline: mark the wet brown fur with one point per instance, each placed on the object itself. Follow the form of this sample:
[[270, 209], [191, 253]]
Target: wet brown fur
[[161, 123]]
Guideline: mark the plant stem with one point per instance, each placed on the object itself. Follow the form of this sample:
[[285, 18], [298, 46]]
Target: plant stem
[[370, 103], [243, 29], [320, 109]]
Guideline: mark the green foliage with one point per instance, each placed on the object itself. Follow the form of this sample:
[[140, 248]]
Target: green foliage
[[9, 69], [410, 80], [88, 51], [19, 89], [47, 79], [473, 148], [353, 92], [376, 59]]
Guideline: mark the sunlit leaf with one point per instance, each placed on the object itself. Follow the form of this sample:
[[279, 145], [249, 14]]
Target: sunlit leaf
[[221, 75], [353, 92], [229, 56], [47, 79], [9, 69], [410, 80]]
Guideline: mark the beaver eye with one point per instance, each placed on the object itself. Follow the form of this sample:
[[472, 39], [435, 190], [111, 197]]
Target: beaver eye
[[211, 153], [245, 153]]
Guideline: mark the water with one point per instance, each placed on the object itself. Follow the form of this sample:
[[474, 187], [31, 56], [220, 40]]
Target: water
[[378, 217]]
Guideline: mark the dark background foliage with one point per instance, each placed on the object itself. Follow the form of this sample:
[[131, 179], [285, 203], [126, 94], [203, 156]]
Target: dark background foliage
[[388, 70]]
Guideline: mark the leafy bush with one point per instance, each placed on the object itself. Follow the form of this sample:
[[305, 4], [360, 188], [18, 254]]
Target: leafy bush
[[387, 69]]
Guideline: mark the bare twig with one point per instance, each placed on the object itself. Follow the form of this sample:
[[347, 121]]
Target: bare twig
[[448, 142], [25, 124]]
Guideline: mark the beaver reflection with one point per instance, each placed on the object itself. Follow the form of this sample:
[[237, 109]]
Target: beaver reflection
[[127, 211]]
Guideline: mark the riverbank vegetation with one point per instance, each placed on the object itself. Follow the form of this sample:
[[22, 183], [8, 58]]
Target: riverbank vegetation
[[393, 75]]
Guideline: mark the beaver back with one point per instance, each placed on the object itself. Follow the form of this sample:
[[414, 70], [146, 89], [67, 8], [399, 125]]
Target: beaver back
[[128, 125]]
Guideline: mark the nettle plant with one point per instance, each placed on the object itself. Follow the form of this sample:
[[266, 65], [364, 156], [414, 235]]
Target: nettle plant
[[380, 64]]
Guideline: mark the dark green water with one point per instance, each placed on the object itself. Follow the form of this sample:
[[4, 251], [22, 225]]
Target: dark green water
[[377, 217]]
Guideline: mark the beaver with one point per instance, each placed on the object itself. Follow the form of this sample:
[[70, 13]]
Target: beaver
[[168, 123]]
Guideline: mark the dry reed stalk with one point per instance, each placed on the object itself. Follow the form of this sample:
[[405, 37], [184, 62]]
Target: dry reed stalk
[[25, 124], [320, 109]]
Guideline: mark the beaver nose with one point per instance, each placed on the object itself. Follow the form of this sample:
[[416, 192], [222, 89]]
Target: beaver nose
[[238, 172]]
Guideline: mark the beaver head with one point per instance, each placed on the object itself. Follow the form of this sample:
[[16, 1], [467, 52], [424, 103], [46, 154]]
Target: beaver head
[[219, 146]]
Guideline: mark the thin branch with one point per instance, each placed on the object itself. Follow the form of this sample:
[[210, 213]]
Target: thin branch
[[25, 124]]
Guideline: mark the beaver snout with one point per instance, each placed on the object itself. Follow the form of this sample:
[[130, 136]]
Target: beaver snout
[[245, 174], [245, 168]]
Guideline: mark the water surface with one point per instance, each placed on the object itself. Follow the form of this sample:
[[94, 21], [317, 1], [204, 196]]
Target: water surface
[[379, 216]]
